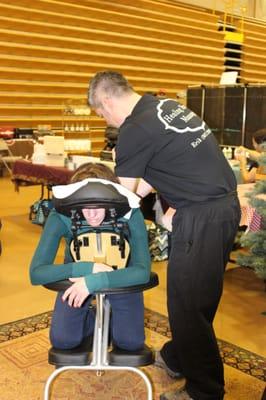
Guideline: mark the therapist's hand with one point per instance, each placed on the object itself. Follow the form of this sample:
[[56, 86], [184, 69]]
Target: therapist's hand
[[113, 154], [241, 157], [241, 154], [167, 218], [76, 293]]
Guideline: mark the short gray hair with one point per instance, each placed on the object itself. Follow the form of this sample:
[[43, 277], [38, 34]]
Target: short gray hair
[[111, 83]]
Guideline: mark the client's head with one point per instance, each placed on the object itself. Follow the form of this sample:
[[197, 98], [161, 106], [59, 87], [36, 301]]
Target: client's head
[[93, 170], [94, 216], [258, 139]]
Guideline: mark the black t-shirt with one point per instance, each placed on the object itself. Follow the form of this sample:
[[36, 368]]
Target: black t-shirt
[[170, 147]]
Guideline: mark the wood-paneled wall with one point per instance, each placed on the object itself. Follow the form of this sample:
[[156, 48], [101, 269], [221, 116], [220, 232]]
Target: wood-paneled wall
[[254, 53], [51, 48]]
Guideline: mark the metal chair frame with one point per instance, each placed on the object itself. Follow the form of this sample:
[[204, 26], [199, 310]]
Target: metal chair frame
[[99, 361]]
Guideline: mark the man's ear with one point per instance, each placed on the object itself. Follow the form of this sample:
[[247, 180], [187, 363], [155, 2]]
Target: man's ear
[[109, 103], [106, 101]]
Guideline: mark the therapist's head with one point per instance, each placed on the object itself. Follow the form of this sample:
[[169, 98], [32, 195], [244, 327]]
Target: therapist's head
[[94, 216], [112, 97]]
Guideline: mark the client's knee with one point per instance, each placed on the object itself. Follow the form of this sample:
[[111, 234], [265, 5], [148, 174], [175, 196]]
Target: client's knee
[[129, 344], [63, 341]]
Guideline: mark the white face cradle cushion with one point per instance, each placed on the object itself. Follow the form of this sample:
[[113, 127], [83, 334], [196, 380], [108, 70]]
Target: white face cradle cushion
[[94, 193], [62, 191]]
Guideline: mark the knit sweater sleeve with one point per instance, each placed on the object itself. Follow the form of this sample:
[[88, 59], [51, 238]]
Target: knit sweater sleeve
[[43, 268]]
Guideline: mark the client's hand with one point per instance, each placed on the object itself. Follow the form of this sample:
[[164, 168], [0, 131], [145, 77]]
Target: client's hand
[[100, 267], [76, 293]]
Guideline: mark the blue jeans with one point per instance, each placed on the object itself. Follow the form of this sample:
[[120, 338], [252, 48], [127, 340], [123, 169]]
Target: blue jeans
[[71, 325]]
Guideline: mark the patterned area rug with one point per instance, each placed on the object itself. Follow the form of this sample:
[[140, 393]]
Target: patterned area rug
[[24, 368], [234, 356]]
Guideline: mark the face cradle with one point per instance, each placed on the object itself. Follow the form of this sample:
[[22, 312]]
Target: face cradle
[[94, 216]]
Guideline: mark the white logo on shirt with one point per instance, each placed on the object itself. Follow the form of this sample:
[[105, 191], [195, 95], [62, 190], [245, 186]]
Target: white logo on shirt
[[184, 116]]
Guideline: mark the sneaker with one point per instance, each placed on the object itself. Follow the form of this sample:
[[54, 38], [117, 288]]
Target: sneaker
[[160, 363], [180, 394]]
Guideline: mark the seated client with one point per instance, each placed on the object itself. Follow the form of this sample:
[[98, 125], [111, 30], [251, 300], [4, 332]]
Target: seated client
[[249, 159], [73, 318]]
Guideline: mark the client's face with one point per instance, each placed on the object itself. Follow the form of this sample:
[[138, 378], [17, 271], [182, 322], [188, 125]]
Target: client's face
[[256, 145], [94, 216]]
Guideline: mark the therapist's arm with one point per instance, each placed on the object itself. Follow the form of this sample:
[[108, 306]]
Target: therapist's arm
[[129, 183], [144, 188], [139, 186]]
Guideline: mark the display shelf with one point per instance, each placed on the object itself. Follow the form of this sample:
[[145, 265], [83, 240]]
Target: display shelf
[[79, 127], [76, 117]]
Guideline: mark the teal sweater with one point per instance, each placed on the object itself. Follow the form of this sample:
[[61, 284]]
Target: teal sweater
[[43, 269]]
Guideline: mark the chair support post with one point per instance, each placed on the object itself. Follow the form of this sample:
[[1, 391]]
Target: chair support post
[[101, 331], [105, 333]]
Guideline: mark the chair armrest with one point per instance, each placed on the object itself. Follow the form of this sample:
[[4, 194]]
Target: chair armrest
[[65, 284]]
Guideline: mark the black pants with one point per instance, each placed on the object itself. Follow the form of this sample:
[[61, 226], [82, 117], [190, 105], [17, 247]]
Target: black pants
[[202, 239]]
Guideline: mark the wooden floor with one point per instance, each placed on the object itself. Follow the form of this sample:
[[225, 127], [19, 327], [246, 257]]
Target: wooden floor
[[240, 319]]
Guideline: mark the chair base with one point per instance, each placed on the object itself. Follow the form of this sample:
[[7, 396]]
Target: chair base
[[100, 358], [96, 368]]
